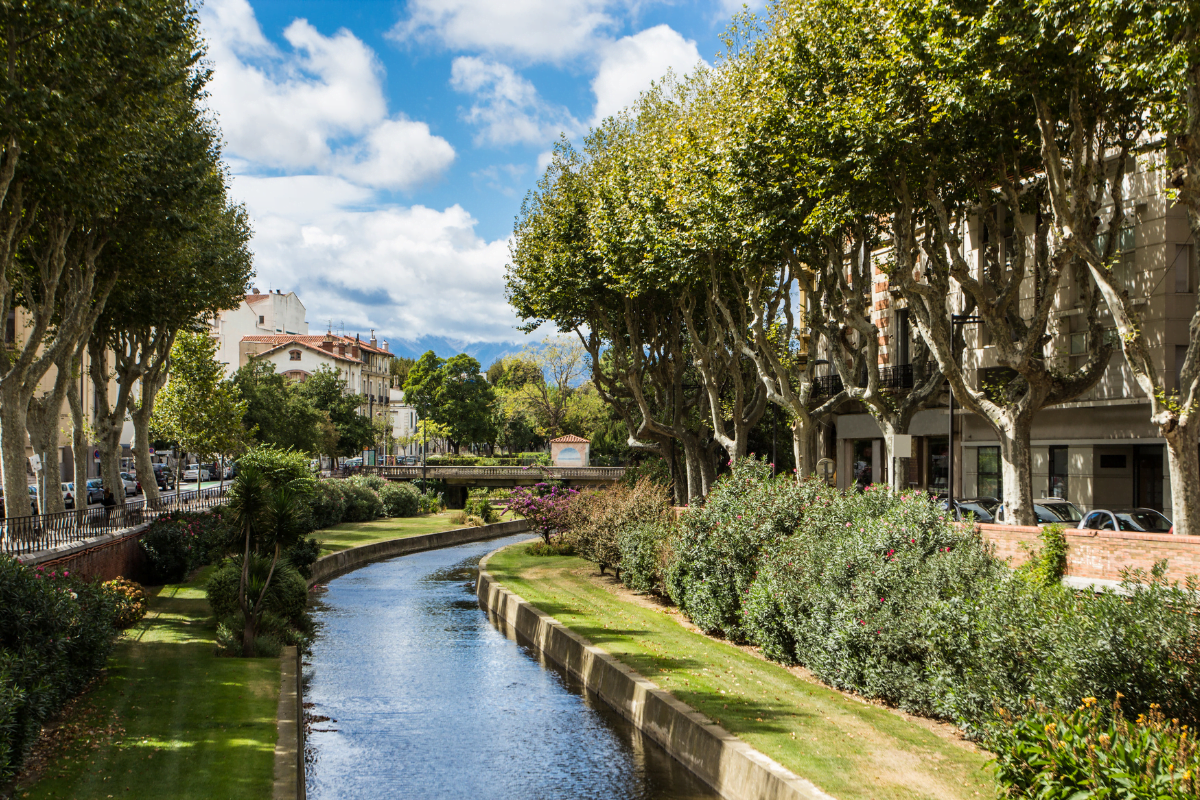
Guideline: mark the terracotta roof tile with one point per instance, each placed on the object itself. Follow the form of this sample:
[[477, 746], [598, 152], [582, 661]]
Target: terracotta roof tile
[[570, 438]]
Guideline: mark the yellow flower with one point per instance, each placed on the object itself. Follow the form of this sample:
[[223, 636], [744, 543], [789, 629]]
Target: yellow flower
[[1050, 728], [1088, 702]]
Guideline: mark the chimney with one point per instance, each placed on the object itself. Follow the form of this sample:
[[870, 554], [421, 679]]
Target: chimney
[[354, 349], [373, 342], [327, 342], [385, 346], [342, 349], [255, 290]]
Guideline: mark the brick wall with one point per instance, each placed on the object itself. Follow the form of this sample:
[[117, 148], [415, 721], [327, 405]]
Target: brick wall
[[1103, 554], [104, 558]]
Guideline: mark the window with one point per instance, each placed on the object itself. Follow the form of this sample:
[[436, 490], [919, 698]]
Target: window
[[1058, 472], [1183, 269], [261, 319], [990, 480], [938, 464], [862, 457], [1112, 462], [902, 337], [294, 355]]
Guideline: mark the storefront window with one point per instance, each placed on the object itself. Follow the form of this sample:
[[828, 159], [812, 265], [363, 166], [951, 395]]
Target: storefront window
[[990, 480], [939, 464], [861, 463], [1058, 472]]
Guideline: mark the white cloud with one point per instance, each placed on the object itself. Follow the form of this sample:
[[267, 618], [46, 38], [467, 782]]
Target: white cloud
[[531, 30], [629, 65], [319, 106], [507, 107], [407, 272]]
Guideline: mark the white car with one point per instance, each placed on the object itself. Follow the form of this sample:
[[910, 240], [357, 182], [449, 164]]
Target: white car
[[194, 473], [132, 487]]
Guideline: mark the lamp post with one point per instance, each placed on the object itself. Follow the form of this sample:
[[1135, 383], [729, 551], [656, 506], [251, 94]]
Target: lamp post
[[955, 319]]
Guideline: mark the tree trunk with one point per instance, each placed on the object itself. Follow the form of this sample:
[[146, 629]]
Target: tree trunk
[[1017, 468], [141, 453], [1183, 463], [43, 435], [79, 444], [13, 429], [804, 445]]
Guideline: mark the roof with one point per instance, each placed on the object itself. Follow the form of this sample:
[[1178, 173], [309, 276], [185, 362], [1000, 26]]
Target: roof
[[315, 341], [570, 438], [281, 342], [254, 298]]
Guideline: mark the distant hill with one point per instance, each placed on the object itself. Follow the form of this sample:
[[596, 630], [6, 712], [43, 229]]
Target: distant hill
[[483, 352]]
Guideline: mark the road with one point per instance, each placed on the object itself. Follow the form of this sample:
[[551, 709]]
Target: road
[[187, 487]]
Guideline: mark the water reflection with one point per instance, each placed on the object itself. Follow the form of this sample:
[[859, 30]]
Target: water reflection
[[426, 699]]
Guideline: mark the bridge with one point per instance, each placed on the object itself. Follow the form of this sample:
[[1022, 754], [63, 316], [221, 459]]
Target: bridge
[[499, 476]]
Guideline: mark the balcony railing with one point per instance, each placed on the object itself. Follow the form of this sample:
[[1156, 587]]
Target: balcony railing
[[827, 385]]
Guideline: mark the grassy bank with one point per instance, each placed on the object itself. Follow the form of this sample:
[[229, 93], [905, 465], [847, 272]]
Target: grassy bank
[[849, 748], [353, 534], [171, 719]]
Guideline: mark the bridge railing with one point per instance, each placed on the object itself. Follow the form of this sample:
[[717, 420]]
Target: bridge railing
[[494, 473], [29, 534]]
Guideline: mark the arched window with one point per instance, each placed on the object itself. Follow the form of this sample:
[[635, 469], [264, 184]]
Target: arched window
[[294, 355]]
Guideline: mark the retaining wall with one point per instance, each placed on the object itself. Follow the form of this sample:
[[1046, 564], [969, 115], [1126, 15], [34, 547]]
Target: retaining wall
[[1099, 556], [105, 557], [289, 721], [335, 564], [726, 763]]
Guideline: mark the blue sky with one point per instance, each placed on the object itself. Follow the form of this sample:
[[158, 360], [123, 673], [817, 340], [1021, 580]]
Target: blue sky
[[383, 148]]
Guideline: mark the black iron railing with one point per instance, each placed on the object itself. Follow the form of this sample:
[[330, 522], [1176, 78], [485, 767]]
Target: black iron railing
[[827, 385], [897, 377], [21, 535]]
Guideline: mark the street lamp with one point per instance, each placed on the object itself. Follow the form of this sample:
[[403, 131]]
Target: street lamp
[[955, 319]]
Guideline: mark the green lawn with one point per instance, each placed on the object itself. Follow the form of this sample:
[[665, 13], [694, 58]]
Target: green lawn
[[849, 748], [353, 534], [172, 719]]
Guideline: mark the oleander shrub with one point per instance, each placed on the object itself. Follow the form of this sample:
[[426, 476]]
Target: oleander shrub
[[56, 634], [595, 520], [853, 593], [400, 500], [370, 481], [645, 553], [129, 601], [480, 507], [181, 541], [719, 546], [363, 503], [1014, 639], [1094, 752], [328, 503]]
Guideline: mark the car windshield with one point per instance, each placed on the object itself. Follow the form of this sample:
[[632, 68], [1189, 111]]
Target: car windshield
[[981, 512], [94, 483], [1058, 512], [1144, 520]]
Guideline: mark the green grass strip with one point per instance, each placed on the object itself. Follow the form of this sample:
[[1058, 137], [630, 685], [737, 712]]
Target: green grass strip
[[182, 722], [353, 534], [849, 748]]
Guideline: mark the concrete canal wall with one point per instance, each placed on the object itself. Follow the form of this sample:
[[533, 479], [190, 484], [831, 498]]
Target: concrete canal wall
[[730, 766]]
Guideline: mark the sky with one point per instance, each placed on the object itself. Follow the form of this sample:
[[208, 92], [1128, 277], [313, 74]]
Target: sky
[[383, 148]]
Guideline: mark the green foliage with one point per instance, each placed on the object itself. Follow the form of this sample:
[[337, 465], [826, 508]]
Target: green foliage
[[199, 408], [556, 547], [400, 499], [280, 466], [302, 555], [596, 520], [276, 410], [55, 636], [651, 468], [129, 601], [326, 391], [286, 596], [720, 546], [431, 503], [328, 503], [1092, 752], [179, 542], [452, 393], [363, 503], [645, 553], [1048, 565], [481, 508]]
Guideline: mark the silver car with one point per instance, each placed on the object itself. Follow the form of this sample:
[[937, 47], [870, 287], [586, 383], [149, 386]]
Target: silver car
[[1137, 520]]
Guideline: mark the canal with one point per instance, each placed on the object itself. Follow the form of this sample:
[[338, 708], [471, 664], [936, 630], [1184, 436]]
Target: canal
[[425, 698]]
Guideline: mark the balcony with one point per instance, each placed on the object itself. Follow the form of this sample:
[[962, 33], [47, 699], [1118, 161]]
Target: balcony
[[827, 385]]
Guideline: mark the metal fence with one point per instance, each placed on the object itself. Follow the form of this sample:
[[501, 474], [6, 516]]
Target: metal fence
[[21, 535]]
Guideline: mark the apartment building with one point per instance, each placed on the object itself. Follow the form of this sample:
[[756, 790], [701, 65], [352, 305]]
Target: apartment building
[[1100, 449], [259, 314]]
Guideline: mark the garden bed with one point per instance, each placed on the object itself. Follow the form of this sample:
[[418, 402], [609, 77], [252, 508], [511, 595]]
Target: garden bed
[[170, 717], [847, 747]]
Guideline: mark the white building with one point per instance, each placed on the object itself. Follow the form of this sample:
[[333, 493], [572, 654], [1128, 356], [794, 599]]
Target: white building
[[270, 314], [404, 423]]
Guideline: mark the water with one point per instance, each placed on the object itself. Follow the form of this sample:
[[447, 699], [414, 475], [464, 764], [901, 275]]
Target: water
[[426, 699]]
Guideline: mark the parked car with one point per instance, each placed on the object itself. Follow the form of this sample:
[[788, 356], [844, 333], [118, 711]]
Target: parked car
[[411, 461], [983, 508], [196, 473], [1137, 520], [353, 463], [95, 490], [1049, 511], [32, 500], [132, 487], [68, 493], [163, 476]]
